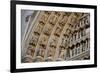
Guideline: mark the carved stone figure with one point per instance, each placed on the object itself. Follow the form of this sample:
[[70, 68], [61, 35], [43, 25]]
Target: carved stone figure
[[83, 46], [74, 37], [64, 42], [73, 52], [72, 20], [38, 29], [41, 51], [34, 40], [43, 40], [63, 21], [44, 18], [53, 42], [67, 32], [30, 51], [78, 49], [53, 19], [58, 31], [48, 29], [67, 52], [51, 52], [62, 53]]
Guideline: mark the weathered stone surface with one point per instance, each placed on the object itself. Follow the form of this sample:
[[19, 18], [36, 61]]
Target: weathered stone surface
[[59, 36]]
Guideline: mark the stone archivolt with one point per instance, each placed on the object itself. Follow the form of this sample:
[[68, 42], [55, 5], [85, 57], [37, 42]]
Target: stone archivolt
[[59, 36]]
